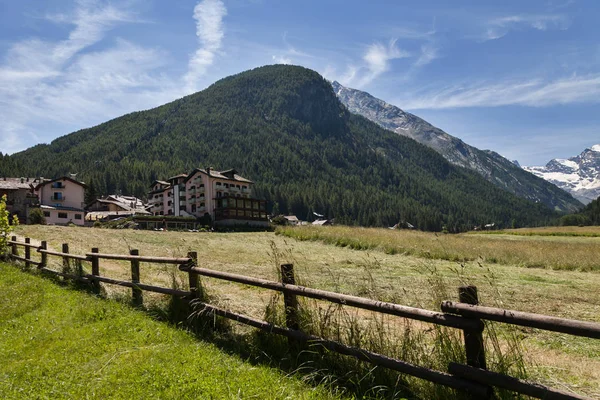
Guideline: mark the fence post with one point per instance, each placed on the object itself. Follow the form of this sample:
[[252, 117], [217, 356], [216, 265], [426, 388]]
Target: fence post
[[14, 249], [290, 300], [43, 256], [473, 339], [27, 253], [136, 292], [65, 249], [193, 279], [95, 271]]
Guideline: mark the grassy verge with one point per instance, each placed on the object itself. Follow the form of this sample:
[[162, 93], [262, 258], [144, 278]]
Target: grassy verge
[[576, 231], [59, 343], [526, 251]]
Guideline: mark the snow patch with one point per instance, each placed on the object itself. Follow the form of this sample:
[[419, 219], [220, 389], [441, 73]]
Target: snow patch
[[596, 147]]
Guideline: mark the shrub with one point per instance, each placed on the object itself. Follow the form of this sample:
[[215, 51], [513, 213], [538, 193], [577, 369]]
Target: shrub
[[5, 226], [36, 217]]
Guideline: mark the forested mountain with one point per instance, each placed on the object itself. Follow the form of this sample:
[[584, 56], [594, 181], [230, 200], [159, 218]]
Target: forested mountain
[[284, 128], [590, 215], [492, 166]]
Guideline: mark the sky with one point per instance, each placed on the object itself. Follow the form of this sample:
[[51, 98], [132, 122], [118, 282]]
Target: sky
[[521, 78]]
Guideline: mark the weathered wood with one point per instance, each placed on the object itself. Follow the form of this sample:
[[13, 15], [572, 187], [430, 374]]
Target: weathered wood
[[164, 260], [193, 279], [338, 298], [289, 299], [478, 391], [474, 347], [508, 382], [136, 291], [569, 326], [95, 270], [13, 243], [150, 288], [43, 256], [26, 260], [27, 253], [22, 244], [65, 260], [67, 255], [64, 275]]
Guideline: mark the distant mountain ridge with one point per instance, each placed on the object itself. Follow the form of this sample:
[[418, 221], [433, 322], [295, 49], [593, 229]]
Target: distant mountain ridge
[[284, 128], [579, 175], [491, 165]]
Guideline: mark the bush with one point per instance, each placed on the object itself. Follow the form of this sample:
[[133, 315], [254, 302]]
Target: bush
[[36, 217], [5, 226]]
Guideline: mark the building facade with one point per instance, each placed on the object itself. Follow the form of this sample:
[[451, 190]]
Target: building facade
[[20, 196], [225, 196], [62, 200]]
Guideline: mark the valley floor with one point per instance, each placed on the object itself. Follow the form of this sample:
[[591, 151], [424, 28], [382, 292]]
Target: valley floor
[[404, 277]]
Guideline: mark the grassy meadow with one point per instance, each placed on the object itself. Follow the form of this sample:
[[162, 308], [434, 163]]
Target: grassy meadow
[[554, 275], [58, 343]]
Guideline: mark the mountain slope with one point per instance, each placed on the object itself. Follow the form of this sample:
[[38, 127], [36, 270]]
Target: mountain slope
[[284, 128], [492, 166], [579, 175]]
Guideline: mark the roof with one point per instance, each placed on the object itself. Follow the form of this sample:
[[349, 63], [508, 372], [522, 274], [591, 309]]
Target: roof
[[61, 208], [321, 222], [291, 218], [65, 178], [161, 182], [230, 174], [17, 183], [177, 176], [128, 203]]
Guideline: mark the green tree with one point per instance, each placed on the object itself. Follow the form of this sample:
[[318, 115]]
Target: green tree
[[5, 226], [36, 217]]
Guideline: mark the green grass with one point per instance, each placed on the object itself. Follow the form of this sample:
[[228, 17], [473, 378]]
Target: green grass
[[56, 342]]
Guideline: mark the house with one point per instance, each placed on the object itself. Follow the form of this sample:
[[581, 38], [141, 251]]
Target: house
[[61, 200], [323, 222], [292, 220], [20, 196], [225, 196], [113, 206]]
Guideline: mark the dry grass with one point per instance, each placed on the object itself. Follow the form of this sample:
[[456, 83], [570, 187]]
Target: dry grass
[[404, 277], [554, 252]]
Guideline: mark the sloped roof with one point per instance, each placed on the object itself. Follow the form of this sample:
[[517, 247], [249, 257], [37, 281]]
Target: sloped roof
[[233, 176], [66, 178], [17, 183]]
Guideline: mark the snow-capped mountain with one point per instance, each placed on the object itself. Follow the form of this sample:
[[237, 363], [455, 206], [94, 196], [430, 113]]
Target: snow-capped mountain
[[492, 166], [579, 175]]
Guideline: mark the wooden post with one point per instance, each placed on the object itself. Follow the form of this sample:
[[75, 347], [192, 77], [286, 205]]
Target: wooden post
[[193, 279], [473, 339], [14, 249], [27, 253], [95, 271], [44, 256], [136, 292], [290, 300], [65, 249]]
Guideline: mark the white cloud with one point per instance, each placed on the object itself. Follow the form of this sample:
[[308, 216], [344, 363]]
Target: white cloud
[[500, 27], [428, 53], [209, 16], [282, 60], [377, 59], [535, 93]]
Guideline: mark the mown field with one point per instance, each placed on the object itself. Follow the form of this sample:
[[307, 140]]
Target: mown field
[[57, 343], [552, 275]]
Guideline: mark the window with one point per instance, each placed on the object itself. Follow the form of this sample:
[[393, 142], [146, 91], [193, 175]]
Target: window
[[57, 196], [46, 213], [219, 194], [218, 183], [77, 216], [193, 208], [62, 215], [201, 205]]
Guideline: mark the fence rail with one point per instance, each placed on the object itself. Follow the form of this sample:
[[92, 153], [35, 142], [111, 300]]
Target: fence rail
[[465, 315]]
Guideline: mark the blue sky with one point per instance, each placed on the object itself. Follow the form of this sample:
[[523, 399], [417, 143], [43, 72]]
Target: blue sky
[[518, 77]]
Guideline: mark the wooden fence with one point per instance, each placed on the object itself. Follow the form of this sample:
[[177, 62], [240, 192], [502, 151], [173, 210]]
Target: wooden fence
[[465, 315]]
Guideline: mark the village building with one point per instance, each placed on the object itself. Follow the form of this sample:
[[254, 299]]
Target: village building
[[20, 196], [61, 200], [114, 206], [225, 196]]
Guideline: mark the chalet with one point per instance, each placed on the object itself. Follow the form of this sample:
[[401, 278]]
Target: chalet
[[61, 200], [225, 196], [20, 196], [113, 206]]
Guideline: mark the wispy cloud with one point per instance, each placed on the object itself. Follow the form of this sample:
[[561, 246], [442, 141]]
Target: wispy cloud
[[500, 27], [429, 52], [282, 60], [535, 93], [209, 16]]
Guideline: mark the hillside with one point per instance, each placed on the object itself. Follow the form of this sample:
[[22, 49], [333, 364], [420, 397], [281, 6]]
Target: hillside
[[492, 166], [283, 127]]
